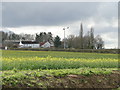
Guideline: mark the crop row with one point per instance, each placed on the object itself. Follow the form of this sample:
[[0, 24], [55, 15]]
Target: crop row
[[25, 63]]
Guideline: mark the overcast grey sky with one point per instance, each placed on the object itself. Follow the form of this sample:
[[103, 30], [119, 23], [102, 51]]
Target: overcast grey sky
[[34, 17]]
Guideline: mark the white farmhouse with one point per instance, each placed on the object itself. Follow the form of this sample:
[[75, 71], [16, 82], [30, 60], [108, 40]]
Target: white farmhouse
[[46, 44]]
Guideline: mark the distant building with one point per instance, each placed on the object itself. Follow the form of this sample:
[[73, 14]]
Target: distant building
[[29, 44], [6, 47], [46, 44]]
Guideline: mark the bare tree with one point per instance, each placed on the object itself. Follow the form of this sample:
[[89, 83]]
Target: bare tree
[[99, 43], [91, 38], [81, 37], [86, 42], [70, 41]]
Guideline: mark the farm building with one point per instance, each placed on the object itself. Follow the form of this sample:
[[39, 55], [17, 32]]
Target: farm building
[[29, 44], [22, 44], [46, 44]]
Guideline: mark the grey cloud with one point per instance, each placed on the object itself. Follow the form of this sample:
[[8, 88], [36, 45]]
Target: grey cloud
[[105, 30], [45, 14], [107, 10]]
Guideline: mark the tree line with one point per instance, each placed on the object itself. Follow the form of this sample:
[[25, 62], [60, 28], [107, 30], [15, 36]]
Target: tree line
[[87, 41]]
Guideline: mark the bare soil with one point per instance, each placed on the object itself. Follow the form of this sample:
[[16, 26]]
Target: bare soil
[[72, 81]]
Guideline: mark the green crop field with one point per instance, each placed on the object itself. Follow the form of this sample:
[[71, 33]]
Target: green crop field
[[25, 60], [15, 64]]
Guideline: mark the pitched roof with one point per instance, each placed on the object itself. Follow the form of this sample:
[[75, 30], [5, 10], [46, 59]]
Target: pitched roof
[[42, 43], [29, 42]]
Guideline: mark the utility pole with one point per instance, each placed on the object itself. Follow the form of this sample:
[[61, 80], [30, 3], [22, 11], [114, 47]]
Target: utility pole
[[64, 36]]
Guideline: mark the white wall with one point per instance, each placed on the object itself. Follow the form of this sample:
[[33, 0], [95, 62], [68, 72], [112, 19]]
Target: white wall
[[46, 45], [30, 45]]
